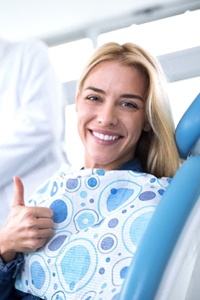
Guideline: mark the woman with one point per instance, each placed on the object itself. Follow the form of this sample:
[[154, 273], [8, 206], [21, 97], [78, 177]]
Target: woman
[[125, 123], [149, 103]]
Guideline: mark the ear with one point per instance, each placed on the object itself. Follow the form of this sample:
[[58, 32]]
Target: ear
[[146, 127]]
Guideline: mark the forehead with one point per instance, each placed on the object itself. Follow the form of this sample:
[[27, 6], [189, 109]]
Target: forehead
[[116, 75], [111, 66]]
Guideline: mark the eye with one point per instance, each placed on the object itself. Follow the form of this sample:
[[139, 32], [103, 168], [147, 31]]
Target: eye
[[131, 105], [93, 98]]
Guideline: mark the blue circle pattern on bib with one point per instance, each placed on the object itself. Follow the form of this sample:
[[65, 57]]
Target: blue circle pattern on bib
[[100, 217]]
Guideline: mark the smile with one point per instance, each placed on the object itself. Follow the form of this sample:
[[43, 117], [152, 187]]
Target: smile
[[105, 137]]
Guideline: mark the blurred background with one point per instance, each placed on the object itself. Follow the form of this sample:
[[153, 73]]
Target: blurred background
[[169, 29]]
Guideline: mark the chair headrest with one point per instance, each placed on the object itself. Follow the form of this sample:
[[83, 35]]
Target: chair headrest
[[187, 133]]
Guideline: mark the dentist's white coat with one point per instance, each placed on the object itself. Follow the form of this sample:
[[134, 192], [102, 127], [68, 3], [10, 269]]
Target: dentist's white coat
[[31, 118]]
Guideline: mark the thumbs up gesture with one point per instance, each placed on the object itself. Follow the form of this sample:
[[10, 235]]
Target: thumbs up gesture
[[18, 199], [26, 228]]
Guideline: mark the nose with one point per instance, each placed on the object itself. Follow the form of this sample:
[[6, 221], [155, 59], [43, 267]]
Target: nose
[[107, 115]]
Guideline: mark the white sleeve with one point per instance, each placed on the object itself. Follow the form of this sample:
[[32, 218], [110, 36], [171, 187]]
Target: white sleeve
[[37, 123]]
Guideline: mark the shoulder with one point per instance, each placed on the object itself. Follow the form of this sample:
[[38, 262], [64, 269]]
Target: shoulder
[[32, 48], [32, 52], [32, 43], [26, 50]]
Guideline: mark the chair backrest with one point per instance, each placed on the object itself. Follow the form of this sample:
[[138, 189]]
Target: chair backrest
[[174, 225], [188, 131]]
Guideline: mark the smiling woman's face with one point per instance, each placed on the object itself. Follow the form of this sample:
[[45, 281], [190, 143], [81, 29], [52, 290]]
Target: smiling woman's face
[[111, 114]]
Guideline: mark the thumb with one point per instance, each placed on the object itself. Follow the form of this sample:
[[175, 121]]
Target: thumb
[[18, 192]]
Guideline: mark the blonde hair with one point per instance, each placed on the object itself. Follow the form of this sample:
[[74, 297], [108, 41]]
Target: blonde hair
[[156, 148]]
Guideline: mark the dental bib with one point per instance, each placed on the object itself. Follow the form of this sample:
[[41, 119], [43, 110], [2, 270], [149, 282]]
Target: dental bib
[[100, 217]]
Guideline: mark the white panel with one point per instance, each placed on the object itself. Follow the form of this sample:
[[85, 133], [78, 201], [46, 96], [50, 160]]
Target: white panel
[[182, 64]]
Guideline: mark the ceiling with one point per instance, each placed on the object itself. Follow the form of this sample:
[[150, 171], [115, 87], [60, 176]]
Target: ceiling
[[59, 21]]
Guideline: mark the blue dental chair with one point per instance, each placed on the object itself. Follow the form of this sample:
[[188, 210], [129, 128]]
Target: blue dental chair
[[166, 265]]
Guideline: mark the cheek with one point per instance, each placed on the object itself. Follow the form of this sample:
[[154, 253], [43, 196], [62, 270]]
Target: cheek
[[81, 116], [82, 120], [79, 123], [134, 125], [80, 130], [85, 112]]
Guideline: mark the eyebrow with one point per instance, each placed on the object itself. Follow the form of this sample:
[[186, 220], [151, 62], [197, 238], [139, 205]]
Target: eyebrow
[[129, 96]]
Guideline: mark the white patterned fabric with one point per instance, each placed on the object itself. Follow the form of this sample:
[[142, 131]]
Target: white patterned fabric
[[100, 217]]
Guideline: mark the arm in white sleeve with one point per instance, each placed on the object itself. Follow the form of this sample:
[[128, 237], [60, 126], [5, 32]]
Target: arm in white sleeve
[[34, 131]]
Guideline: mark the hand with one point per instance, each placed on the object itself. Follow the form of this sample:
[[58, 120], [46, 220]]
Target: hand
[[26, 228]]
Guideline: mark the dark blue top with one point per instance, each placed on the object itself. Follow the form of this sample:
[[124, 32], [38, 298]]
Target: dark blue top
[[9, 271]]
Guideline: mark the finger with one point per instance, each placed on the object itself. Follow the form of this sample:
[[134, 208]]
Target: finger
[[39, 244], [33, 245], [43, 212], [43, 223], [18, 192], [45, 233]]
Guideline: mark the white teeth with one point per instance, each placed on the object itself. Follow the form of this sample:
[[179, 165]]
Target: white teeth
[[105, 137]]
